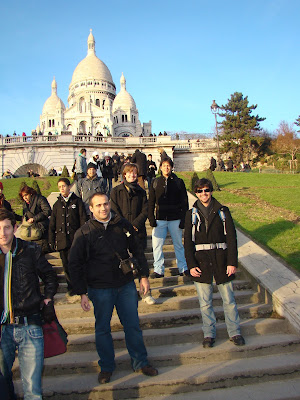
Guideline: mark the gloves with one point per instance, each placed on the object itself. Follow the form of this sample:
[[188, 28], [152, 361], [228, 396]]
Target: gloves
[[181, 225], [48, 312], [153, 223]]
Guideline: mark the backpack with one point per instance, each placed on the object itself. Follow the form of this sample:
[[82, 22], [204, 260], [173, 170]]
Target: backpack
[[194, 221]]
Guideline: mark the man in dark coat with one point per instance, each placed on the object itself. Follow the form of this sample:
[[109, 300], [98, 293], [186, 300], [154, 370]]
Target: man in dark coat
[[21, 301], [94, 263], [67, 216], [211, 252], [140, 160], [151, 168], [107, 170], [167, 206]]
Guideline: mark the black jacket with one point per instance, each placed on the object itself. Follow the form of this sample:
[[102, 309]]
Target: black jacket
[[65, 219], [168, 198], [151, 171], [28, 266], [140, 159], [107, 168], [131, 205], [93, 261], [39, 209], [213, 263]]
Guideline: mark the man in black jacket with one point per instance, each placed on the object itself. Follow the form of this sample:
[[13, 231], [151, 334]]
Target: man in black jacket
[[94, 264], [67, 216], [168, 203], [151, 168], [211, 252], [139, 158], [21, 266]]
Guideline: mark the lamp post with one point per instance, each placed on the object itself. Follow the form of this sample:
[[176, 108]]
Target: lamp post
[[215, 110]]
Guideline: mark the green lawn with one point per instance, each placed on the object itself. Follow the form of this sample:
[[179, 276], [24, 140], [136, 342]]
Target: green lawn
[[265, 206]]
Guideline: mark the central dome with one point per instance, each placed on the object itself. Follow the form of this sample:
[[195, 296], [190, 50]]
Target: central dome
[[91, 67]]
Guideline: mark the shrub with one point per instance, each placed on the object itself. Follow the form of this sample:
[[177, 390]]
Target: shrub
[[36, 187], [65, 172], [194, 179], [211, 177]]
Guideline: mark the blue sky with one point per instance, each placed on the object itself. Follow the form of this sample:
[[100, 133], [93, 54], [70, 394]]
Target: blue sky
[[176, 57]]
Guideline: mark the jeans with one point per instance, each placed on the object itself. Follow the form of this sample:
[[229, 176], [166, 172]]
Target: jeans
[[205, 294], [125, 300], [29, 341], [159, 234], [108, 183], [64, 255], [149, 180]]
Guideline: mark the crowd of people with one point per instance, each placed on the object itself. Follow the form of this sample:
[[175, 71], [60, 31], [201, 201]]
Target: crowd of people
[[100, 234], [229, 167]]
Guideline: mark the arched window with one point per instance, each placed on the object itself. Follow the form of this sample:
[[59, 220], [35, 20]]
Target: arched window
[[81, 105], [53, 122], [98, 102], [49, 123]]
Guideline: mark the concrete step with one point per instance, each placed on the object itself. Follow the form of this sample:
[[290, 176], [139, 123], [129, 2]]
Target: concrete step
[[182, 334], [166, 319], [184, 378], [65, 310], [180, 354], [287, 389], [167, 290]]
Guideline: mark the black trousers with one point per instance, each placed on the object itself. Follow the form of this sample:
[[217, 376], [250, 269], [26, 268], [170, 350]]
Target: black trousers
[[64, 255]]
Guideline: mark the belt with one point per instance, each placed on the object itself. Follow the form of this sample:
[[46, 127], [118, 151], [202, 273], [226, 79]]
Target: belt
[[34, 319], [211, 246]]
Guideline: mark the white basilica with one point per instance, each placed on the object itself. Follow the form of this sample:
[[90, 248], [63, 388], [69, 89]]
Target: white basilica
[[94, 108]]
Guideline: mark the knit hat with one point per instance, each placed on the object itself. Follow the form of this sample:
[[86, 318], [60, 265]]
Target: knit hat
[[95, 153], [91, 165]]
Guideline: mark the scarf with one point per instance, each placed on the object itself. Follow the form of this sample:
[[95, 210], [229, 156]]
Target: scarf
[[132, 187], [7, 309]]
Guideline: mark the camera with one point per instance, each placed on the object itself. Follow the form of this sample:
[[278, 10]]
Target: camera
[[130, 265]]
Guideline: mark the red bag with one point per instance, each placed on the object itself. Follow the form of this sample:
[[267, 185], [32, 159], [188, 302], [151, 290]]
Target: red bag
[[55, 339]]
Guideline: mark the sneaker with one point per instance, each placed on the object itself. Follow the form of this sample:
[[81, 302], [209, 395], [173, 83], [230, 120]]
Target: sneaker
[[156, 275], [148, 370], [208, 342], [104, 377], [149, 300], [238, 340]]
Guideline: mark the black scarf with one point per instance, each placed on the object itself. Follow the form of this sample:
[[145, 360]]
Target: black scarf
[[205, 211], [133, 187]]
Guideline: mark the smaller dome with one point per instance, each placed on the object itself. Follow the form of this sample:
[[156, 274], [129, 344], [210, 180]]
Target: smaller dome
[[53, 102], [123, 99]]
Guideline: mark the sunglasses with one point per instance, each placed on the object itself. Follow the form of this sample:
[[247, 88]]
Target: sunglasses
[[202, 190]]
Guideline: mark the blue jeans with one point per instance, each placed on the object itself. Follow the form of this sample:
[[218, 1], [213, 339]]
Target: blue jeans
[[232, 319], [159, 234], [126, 302], [29, 341]]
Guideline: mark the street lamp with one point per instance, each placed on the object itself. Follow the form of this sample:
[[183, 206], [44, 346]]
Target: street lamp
[[215, 110]]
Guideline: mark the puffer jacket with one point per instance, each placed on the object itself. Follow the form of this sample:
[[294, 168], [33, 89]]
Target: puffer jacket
[[28, 266], [86, 187], [213, 263], [93, 260], [65, 219]]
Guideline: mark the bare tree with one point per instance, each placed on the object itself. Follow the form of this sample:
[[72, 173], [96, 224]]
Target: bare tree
[[287, 141]]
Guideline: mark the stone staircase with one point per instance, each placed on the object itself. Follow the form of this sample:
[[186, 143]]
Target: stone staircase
[[266, 368]]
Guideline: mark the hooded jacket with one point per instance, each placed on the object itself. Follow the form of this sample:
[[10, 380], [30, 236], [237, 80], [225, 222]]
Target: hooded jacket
[[93, 260], [213, 263], [86, 187]]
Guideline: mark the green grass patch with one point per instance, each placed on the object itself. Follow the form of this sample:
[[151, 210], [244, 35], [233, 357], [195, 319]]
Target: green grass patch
[[265, 206]]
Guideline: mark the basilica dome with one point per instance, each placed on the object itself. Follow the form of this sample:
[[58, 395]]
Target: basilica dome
[[91, 67], [123, 100], [53, 102]]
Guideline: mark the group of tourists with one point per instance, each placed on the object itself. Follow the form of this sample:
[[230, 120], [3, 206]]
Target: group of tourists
[[101, 238]]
